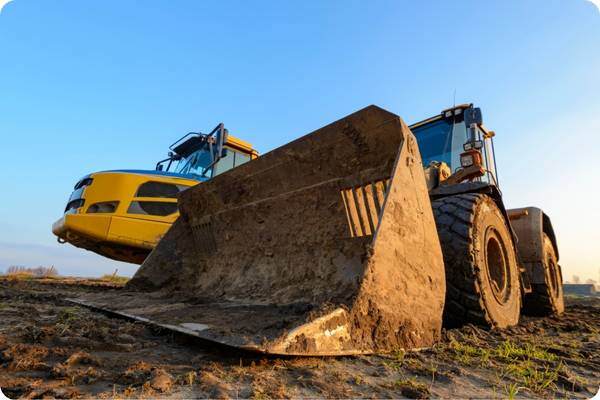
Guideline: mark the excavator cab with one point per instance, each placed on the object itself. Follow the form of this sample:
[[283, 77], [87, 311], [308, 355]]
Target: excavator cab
[[458, 138], [122, 214], [203, 156]]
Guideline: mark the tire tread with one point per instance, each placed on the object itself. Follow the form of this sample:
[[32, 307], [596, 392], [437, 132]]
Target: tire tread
[[454, 218]]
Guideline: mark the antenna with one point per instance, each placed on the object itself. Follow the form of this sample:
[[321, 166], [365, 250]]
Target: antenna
[[454, 99]]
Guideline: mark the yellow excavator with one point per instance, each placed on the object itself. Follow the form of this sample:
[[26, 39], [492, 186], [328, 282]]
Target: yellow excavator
[[122, 214]]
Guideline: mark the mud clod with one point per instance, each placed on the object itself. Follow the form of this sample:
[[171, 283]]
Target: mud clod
[[82, 357], [161, 380]]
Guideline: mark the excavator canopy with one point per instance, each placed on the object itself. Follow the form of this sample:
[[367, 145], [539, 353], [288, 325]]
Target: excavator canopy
[[324, 246]]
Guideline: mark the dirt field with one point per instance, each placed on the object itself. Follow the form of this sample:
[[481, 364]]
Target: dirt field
[[49, 348]]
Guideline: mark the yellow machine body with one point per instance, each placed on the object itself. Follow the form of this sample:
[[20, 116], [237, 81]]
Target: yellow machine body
[[123, 214]]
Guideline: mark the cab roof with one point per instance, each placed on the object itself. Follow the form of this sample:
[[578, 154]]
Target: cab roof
[[448, 112]]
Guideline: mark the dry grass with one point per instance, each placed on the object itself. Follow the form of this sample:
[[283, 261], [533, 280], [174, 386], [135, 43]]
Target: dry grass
[[120, 280], [38, 272], [20, 276]]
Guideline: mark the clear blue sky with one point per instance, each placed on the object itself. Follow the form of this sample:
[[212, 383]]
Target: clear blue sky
[[95, 85]]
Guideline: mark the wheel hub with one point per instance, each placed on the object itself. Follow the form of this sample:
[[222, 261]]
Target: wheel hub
[[497, 266]]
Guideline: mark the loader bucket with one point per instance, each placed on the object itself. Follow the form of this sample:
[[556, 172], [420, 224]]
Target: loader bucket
[[324, 246]]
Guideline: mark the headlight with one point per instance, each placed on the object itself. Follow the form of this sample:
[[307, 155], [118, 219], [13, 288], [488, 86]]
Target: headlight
[[73, 205], [478, 144], [466, 160]]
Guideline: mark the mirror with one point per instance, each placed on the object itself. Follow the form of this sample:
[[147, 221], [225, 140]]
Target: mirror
[[473, 116], [477, 144]]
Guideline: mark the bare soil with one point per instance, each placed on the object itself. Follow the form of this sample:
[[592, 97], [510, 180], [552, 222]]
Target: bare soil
[[49, 348]]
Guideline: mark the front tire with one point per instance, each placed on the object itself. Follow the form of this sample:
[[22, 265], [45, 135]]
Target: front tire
[[482, 275]]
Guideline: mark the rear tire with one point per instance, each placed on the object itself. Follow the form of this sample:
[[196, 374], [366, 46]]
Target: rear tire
[[547, 298], [482, 276]]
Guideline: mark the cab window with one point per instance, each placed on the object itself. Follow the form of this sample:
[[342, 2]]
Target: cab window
[[225, 163], [232, 159], [241, 158], [441, 141]]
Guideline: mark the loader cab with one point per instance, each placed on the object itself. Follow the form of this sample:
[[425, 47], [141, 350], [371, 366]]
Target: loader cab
[[203, 156], [443, 138]]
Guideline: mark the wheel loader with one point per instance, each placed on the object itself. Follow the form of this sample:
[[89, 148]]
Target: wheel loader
[[122, 214], [363, 236]]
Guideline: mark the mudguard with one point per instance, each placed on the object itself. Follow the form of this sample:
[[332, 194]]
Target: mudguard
[[530, 224]]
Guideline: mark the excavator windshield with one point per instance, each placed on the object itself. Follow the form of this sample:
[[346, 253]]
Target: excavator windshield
[[196, 154], [200, 163], [194, 164], [441, 140]]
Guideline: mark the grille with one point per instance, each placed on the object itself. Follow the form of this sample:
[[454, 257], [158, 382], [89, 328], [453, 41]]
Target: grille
[[106, 207], [161, 209], [159, 189]]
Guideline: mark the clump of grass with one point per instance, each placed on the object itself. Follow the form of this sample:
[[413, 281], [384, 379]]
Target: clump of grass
[[66, 318], [358, 380], [20, 276], [20, 272], [420, 367], [190, 378], [120, 280], [67, 314], [412, 389], [512, 390], [536, 379], [509, 350], [397, 360], [530, 366], [466, 353]]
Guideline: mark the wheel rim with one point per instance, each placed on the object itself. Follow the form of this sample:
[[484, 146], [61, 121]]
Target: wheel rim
[[498, 270]]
